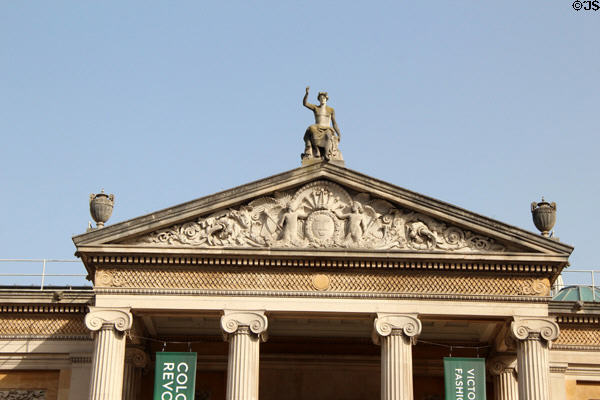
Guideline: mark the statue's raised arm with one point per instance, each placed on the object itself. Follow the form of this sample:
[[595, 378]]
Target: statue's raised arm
[[305, 100], [321, 138]]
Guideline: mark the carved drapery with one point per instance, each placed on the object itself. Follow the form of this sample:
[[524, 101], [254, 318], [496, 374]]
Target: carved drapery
[[396, 333], [244, 330], [321, 214], [534, 337], [109, 325]]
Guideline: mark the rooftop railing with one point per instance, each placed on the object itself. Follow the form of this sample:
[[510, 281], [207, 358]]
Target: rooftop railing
[[41, 273]]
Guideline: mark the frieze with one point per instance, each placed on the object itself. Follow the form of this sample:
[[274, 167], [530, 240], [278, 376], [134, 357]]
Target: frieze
[[321, 214], [52, 326], [579, 335], [301, 280]]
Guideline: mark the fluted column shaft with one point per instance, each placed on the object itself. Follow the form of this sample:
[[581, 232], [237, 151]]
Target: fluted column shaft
[[244, 330], [532, 357], [505, 386], [396, 334], [534, 337], [109, 351], [135, 360], [503, 371]]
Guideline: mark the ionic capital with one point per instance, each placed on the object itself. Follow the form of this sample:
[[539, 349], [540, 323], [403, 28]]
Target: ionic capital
[[390, 324], [501, 364], [525, 328], [254, 321], [117, 318], [137, 357]]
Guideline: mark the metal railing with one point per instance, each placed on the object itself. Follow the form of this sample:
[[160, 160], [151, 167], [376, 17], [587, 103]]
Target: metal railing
[[591, 277], [43, 264]]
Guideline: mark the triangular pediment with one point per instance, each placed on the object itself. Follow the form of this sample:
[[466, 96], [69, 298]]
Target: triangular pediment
[[321, 207]]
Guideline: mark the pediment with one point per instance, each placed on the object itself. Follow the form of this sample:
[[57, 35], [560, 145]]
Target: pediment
[[321, 207]]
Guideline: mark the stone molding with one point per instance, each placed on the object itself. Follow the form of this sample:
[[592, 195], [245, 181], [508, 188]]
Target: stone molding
[[117, 318], [320, 214], [578, 319], [372, 259], [523, 328], [324, 294], [254, 321], [408, 325], [43, 308], [559, 368], [80, 358]]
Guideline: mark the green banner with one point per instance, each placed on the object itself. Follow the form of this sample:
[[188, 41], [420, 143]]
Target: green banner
[[175, 377], [464, 378]]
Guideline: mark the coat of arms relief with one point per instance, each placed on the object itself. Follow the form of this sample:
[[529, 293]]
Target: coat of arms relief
[[321, 214]]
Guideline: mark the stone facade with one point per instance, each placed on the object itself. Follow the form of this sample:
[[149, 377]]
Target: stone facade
[[313, 282]]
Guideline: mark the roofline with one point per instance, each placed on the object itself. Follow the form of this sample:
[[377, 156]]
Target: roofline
[[299, 176]]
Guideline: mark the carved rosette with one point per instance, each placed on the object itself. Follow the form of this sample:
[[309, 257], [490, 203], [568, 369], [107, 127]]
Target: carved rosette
[[321, 214], [536, 287], [534, 328], [117, 318], [396, 324], [254, 321]]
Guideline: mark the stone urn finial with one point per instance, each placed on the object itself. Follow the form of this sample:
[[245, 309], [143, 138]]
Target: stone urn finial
[[101, 207], [544, 216]]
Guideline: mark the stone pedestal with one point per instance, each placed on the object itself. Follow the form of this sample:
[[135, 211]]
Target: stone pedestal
[[534, 336], [244, 330], [396, 333], [109, 325], [504, 372], [135, 360]]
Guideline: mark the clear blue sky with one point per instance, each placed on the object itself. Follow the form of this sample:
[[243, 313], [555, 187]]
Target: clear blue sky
[[485, 105]]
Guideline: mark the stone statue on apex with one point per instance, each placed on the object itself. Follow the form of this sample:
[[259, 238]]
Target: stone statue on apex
[[321, 139]]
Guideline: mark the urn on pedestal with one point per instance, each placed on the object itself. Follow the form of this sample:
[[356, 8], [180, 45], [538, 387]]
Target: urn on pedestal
[[544, 216], [101, 207]]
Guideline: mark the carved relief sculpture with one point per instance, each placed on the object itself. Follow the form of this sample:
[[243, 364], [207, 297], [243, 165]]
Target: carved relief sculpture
[[321, 214]]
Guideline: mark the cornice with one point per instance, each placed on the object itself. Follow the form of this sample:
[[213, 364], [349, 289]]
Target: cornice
[[44, 308], [52, 337], [501, 263], [578, 319]]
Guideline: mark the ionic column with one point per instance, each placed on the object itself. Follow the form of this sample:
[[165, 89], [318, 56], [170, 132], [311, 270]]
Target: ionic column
[[135, 360], [396, 333], [534, 337], [244, 330], [109, 325], [504, 372]]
